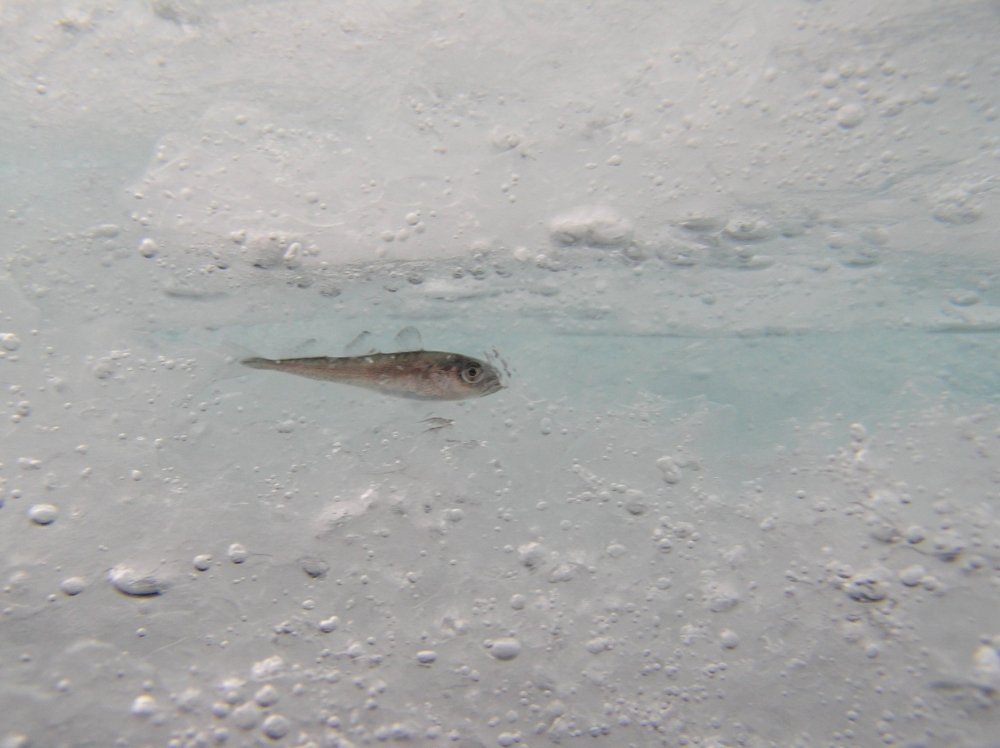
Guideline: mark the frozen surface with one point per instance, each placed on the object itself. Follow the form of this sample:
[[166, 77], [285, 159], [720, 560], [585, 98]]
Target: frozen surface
[[740, 256]]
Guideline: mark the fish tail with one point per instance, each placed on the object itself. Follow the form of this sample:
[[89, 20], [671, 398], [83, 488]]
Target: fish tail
[[256, 362]]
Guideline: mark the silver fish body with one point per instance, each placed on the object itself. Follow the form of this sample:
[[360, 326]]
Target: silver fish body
[[421, 375]]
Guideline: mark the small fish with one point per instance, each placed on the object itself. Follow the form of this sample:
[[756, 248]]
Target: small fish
[[421, 375]]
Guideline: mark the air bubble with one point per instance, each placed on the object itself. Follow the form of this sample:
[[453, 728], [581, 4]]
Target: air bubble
[[986, 664], [912, 575], [43, 514], [670, 470], [131, 582], [276, 726], [522, 254], [246, 716], [9, 341], [144, 706], [915, 534], [616, 550], [866, 587], [266, 696], [506, 648], [106, 231], [72, 585], [329, 624], [148, 248], [700, 221], [748, 229], [955, 205], [599, 644], [729, 639], [314, 567], [237, 553], [503, 139], [964, 298], [850, 116], [531, 554], [426, 656]]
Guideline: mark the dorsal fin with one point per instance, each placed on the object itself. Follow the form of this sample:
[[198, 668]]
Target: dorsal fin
[[361, 345], [408, 339], [302, 349]]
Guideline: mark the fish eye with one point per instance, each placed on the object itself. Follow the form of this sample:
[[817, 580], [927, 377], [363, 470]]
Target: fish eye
[[471, 373]]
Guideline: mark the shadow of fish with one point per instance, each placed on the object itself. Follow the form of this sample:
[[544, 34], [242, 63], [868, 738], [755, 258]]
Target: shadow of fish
[[421, 375]]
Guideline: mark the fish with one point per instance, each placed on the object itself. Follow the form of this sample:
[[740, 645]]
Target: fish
[[418, 375]]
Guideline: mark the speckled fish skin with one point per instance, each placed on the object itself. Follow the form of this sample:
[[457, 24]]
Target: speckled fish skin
[[420, 375]]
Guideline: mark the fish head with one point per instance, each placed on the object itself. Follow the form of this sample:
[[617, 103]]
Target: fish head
[[473, 378]]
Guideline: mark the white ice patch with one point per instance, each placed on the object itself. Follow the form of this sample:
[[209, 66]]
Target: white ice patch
[[591, 225], [334, 513]]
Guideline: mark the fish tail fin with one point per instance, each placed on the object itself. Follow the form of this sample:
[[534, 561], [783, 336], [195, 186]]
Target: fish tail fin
[[256, 362]]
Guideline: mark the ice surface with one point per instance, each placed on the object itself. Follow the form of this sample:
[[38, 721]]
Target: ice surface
[[740, 258]]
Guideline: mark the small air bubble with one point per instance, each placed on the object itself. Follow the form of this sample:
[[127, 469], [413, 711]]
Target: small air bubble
[[426, 656], [148, 248], [43, 514], [506, 648], [72, 586], [144, 706], [266, 696], [850, 116]]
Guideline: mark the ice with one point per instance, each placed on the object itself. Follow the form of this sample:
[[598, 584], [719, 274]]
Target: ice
[[737, 260]]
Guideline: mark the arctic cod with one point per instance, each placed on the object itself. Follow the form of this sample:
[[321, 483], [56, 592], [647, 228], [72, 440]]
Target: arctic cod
[[420, 375]]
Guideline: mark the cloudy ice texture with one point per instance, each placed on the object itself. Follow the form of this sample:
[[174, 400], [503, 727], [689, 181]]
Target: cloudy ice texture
[[737, 259]]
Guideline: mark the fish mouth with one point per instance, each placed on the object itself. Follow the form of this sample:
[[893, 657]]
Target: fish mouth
[[494, 386]]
